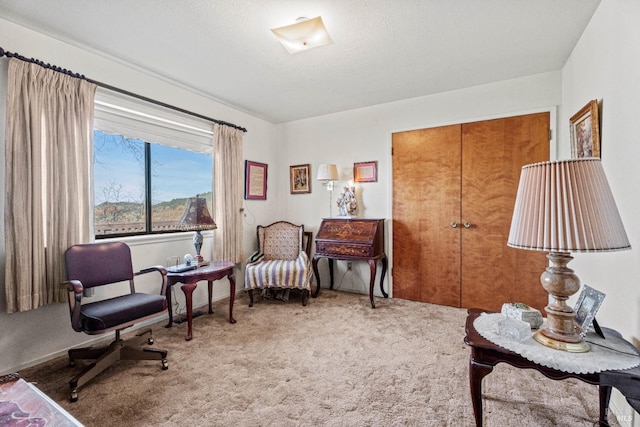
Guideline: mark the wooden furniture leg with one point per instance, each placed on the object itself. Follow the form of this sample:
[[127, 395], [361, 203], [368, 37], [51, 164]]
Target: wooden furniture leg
[[188, 289], [477, 371]]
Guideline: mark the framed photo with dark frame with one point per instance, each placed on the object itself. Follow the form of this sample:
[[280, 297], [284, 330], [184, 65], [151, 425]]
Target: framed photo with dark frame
[[299, 179], [585, 132], [588, 304], [365, 171], [255, 180]]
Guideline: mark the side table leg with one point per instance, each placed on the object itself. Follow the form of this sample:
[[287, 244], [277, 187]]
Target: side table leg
[[169, 306], [477, 371], [604, 391], [210, 289], [331, 273], [314, 263], [188, 289], [232, 296], [372, 280]]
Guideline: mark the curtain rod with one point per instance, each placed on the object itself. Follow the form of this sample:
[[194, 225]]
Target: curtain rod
[[113, 88]]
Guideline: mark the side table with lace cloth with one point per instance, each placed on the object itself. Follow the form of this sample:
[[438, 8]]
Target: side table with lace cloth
[[604, 367]]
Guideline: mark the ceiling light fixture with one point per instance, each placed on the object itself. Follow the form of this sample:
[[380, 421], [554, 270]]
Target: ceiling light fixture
[[304, 34]]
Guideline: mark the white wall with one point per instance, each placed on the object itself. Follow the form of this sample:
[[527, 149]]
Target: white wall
[[37, 335], [605, 65], [365, 134]]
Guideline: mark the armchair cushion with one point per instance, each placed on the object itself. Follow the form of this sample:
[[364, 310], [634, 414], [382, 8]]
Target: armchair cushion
[[280, 241], [294, 273]]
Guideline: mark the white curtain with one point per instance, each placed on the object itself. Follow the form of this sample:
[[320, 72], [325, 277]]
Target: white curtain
[[227, 193], [49, 135]]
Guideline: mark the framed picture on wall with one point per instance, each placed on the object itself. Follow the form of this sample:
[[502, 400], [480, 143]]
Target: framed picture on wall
[[299, 182], [365, 172], [585, 132], [255, 180]]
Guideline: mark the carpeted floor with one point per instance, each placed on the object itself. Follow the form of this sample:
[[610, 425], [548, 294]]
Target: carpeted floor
[[335, 362]]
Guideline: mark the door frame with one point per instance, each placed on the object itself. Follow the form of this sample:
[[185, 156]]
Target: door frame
[[553, 155]]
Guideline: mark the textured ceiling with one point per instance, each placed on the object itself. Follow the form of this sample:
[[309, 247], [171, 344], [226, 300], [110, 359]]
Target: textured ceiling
[[382, 50]]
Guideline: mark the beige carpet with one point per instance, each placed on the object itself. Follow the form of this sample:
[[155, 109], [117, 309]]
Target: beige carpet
[[335, 362]]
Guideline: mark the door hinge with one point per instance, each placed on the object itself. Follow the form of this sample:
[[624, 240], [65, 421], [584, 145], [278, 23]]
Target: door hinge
[[550, 134]]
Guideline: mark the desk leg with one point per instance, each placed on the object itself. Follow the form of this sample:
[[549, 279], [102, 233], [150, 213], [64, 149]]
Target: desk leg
[[314, 263], [372, 280], [170, 307], [331, 272], [605, 395], [477, 371], [232, 296], [188, 289], [384, 271]]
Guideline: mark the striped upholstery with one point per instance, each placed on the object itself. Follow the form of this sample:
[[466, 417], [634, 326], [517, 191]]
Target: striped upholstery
[[279, 273]]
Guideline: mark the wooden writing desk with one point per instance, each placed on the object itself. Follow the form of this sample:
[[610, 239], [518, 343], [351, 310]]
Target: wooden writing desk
[[216, 270], [351, 239]]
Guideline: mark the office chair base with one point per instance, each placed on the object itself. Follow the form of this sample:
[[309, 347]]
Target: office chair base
[[131, 349]]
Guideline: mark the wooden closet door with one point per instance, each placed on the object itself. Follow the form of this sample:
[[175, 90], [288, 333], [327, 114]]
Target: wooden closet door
[[426, 199], [493, 153]]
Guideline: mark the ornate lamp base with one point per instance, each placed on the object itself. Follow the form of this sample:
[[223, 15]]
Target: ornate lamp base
[[571, 347]]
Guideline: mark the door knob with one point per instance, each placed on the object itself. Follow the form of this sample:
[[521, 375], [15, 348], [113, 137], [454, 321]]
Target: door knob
[[467, 225], [454, 224]]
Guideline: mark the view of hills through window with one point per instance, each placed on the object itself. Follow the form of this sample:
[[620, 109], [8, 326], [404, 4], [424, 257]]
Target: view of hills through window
[[120, 177]]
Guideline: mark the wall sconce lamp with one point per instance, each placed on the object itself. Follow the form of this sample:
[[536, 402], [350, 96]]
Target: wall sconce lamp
[[562, 207], [304, 34], [328, 173]]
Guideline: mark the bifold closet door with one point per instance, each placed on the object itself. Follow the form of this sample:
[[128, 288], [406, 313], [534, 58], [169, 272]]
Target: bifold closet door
[[426, 200], [454, 188], [493, 153]]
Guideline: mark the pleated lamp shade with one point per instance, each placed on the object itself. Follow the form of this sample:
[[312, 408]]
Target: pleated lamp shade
[[566, 206]]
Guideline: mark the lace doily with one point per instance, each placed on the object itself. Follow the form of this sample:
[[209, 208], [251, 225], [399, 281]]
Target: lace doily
[[610, 354]]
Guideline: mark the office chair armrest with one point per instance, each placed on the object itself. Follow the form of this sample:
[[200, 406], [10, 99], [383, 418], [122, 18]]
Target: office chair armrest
[[75, 290], [160, 269]]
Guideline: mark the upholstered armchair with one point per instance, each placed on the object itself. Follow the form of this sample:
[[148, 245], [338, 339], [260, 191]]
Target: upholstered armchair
[[281, 262], [95, 265]]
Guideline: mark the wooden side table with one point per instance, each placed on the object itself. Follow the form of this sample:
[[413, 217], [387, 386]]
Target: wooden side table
[[485, 355], [216, 270]]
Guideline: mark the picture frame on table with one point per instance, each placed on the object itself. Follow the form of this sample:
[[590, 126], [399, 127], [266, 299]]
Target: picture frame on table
[[585, 132], [255, 180], [586, 307], [299, 179], [365, 171]]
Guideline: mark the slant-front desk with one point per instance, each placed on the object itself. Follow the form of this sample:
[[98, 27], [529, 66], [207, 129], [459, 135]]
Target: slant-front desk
[[351, 239]]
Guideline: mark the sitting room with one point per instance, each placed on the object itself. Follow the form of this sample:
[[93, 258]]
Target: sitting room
[[356, 202]]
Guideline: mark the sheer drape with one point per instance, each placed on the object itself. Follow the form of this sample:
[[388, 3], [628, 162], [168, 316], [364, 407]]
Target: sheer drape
[[48, 185], [227, 184]]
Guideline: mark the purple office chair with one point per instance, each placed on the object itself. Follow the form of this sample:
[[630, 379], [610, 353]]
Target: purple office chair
[[100, 264]]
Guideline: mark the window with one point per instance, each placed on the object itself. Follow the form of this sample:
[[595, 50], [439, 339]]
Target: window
[[148, 162]]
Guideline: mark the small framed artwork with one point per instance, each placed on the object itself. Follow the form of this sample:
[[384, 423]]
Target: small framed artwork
[[255, 180], [299, 181], [365, 172], [585, 132], [588, 304]]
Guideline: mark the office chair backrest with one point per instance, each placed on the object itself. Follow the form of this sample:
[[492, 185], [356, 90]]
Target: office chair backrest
[[99, 263]]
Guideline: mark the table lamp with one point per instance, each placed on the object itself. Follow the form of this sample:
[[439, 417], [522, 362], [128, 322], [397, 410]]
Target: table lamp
[[563, 207], [328, 173], [196, 217]]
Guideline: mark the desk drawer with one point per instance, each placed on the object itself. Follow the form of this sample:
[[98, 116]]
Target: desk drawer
[[342, 249]]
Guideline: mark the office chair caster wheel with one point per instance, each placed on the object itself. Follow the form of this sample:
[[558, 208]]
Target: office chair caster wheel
[[150, 341], [165, 365], [74, 395]]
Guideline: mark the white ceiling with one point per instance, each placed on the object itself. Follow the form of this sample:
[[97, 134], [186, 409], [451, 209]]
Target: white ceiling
[[382, 50]]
